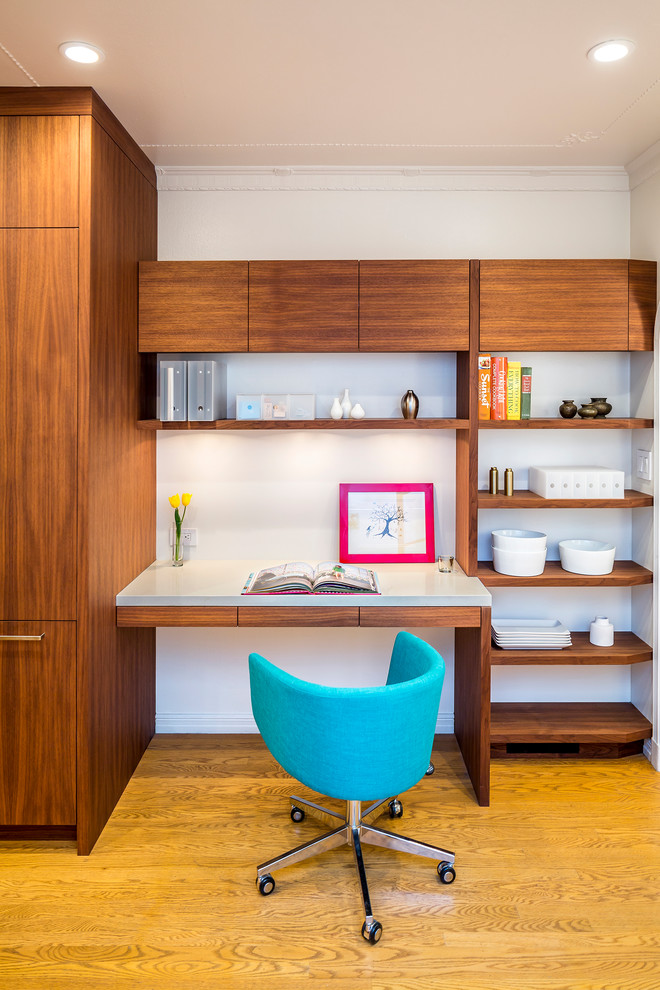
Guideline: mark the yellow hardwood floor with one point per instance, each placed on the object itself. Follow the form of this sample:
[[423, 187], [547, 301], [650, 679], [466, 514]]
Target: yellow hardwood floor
[[557, 884]]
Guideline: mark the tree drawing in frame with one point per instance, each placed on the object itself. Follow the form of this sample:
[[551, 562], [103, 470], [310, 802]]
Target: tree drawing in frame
[[391, 523], [386, 515]]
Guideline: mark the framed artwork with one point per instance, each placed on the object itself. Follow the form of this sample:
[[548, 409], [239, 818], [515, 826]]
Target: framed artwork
[[386, 523]]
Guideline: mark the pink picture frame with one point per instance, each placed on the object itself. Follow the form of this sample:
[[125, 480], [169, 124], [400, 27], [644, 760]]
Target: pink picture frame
[[386, 523]]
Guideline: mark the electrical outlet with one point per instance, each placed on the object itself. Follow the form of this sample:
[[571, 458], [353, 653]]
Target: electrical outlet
[[188, 537], [644, 465]]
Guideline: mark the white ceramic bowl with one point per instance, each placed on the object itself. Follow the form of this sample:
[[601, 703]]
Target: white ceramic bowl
[[519, 539], [586, 556], [521, 563]]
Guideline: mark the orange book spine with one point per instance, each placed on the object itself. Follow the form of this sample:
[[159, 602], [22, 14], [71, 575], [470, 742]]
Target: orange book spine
[[498, 386], [484, 386]]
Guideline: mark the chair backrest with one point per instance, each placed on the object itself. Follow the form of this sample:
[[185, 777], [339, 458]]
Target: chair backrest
[[357, 744]]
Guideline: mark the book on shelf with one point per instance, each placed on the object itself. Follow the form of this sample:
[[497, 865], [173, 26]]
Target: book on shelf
[[498, 387], [299, 578], [484, 386], [513, 390], [525, 393]]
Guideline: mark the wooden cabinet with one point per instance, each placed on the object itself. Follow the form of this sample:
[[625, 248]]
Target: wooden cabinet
[[303, 306], [38, 738], [193, 306], [77, 477], [576, 305], [414, 305]]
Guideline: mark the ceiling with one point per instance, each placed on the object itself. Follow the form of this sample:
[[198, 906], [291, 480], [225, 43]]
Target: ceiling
[[355, 82]]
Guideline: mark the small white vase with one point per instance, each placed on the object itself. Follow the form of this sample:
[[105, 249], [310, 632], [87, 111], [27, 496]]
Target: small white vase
[[357, 412], [346, 404], [336, 411], [601, 631]]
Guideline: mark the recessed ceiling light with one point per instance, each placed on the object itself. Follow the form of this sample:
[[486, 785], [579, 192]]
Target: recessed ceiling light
[[610, 51], [80, 51]]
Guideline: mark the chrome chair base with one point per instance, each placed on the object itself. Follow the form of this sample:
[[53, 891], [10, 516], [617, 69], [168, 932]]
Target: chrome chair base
[[354, 830]]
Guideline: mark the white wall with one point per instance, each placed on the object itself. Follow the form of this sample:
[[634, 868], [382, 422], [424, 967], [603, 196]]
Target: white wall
[[276, 494]]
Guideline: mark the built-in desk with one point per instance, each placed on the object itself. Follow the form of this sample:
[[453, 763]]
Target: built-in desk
[[208, 593]]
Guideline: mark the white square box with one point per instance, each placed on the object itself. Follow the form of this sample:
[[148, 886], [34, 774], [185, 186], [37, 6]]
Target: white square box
[[302, 406], [248, 406], [592, 481], [274, 406]]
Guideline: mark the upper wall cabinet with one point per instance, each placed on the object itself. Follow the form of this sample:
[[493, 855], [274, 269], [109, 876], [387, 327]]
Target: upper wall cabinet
[[193, 306], [39, 171], [576, 305], [414, 305], [303, 306]]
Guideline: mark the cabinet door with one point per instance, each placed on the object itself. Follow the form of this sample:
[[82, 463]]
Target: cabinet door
[[303, 306], [38, 376], [193, 306], [414, 305], [38, 723], [38, 171], [554, 305]]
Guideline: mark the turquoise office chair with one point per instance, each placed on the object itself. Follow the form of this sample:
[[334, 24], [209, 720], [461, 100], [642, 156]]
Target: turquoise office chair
[[355, 744]]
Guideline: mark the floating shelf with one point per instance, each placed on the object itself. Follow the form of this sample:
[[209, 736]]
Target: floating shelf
[[627, 648], [582, 728], [307, 424], [625, 574], [530, 500], [557, 423]]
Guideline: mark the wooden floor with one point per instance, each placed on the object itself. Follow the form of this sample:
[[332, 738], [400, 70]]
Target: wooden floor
[[557, 884]]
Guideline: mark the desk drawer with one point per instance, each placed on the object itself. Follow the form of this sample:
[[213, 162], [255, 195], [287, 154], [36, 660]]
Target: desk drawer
[[291, 616], [460, 616], [176, 615]]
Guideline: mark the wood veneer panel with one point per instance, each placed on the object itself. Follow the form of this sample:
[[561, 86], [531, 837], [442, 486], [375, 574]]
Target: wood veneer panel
[[548, 305], [642, 295], [180, 615], [467, 440], [285, 615], [414, 305], [193, 306], [626, 574], [412, 617], [627, 648], [38, 171], [572, 721], [307, 424], [38, 320], [472, 703], [557, 423], [522, 499], [38, 724], [116, 483], [303, 306]]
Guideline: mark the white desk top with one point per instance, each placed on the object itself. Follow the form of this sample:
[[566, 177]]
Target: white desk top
[[220, 582]]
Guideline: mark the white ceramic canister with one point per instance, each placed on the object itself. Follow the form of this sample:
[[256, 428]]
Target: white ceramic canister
[[336, 412], [346, 404], [601, 631]]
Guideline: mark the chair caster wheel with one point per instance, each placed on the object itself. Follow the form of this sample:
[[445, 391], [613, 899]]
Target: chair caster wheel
[[265, 884], [396, 808], [371, 932], [446, 872], [297, 814], [429, 770]]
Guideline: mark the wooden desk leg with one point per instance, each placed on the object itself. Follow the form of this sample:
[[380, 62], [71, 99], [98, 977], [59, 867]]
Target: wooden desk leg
[[472, 703]]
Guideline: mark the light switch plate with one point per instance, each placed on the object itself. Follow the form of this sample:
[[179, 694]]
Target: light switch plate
[[644, 464]]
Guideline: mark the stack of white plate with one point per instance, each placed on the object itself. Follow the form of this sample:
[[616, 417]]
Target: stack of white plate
[[527, 634]]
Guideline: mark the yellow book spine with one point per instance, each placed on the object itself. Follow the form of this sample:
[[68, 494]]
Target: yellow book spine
[[513, 390]]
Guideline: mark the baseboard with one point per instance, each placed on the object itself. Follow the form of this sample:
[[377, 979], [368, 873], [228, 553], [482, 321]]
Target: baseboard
[[652, 753], [229, 723]]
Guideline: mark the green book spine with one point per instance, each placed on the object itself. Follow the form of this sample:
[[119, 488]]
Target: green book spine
[[525, 393]]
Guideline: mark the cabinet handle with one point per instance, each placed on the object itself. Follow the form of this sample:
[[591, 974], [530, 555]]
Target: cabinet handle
[[40, 636]]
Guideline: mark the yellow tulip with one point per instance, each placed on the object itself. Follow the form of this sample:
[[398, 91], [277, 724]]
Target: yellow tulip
[[175, 501], [185, 498]]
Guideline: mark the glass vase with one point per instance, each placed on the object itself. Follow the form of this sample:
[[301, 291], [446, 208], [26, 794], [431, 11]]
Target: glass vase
[[177, 550]]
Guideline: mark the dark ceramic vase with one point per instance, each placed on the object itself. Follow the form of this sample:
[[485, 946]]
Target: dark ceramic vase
[[587, 411], [410, 405], [567, 408], [602, 406]]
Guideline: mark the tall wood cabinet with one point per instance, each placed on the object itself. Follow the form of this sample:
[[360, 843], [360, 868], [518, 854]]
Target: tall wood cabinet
[[77, 695]]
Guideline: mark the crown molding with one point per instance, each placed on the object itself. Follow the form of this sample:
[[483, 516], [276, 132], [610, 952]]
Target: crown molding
[[227, 178], [645, 166]]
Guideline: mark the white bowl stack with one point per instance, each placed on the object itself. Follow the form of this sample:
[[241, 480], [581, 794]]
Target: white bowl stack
[[519, 552]]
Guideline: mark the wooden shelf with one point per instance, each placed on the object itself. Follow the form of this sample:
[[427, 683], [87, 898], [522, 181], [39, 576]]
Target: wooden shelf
[[530, 500], [627, 648], [625, 574], [557, 423], [308, 424], [567, 722]]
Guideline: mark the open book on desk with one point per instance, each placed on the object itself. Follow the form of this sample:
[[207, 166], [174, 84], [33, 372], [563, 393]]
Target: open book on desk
[[297, 578]]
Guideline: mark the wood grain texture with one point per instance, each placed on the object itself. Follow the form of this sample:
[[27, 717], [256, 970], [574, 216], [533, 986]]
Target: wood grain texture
[[625, 574], [116, 479], [627, 648], [303, 306], [307, 424], [557, 423], [522, 499], [38, 171], [38, 724], [642, 296], [411, 617], [193, 306], [38, 378], [576, 721], [472, 703], [180, 615], [562, 305], [289, 616], [467, 441], [414, 305]]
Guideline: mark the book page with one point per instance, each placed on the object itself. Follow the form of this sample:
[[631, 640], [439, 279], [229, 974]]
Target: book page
[[343, 577], [295, 575]]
